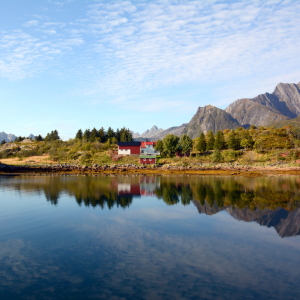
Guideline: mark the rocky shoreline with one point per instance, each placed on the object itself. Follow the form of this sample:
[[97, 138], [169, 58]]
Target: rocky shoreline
[[201, 169]]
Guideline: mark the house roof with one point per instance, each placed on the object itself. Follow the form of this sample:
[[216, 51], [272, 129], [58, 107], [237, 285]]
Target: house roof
[[143, 145], [129, 143], [148, 156]]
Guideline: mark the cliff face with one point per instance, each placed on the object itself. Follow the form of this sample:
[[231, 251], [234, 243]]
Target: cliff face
[[290, 94], [282, 104], [248, 112], [210, 118]]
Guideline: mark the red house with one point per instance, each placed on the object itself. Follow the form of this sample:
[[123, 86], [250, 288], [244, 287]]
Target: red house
[[147, 159], [129, 148]]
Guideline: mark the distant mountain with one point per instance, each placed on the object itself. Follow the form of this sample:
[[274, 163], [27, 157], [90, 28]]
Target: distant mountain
[[281, 105], [11, 137], [264, 110], [7, 137], [209, 118], [156, 133]]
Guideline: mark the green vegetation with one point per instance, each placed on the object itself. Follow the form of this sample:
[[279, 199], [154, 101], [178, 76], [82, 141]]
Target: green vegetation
[[260, 146]]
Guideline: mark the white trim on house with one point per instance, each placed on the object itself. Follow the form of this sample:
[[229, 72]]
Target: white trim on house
[[124, 151]]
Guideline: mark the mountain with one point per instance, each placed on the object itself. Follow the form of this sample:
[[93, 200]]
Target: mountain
[[210, 118], [281, 105], [11, 137], [7, 137], [263, 110], [286, 223], [291, 122], [290, 94], [156, 133]]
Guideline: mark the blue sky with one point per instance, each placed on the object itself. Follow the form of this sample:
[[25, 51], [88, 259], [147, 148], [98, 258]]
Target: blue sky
[[76, 64]]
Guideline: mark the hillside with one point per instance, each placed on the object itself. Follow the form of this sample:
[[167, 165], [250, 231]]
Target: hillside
[[291, 122], [209, 118]]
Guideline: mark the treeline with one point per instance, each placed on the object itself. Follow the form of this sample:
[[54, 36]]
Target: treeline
[[260, 139], [110, 136]]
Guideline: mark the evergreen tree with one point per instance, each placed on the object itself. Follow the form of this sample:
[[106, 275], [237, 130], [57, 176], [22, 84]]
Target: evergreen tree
[[102, 135], [201, 145], [86, 135], [233, 141], [125, 135], [219, 141], [55, 135], [185, 144], [47, 138], [210, 140], [110, 133], [79, 135], [39, 138], [93, 135], [19, 139], [118, 135], [3, 142]]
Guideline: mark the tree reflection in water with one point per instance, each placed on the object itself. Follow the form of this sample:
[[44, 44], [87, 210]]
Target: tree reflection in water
[[244, 198]]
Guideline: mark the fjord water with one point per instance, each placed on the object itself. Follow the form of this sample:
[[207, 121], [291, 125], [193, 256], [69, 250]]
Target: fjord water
[[149, 237]]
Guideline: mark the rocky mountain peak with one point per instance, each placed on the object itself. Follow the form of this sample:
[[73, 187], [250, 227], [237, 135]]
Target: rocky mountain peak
[[209, 118]]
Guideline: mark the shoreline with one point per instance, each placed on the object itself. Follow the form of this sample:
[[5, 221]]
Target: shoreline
[[64, 169]]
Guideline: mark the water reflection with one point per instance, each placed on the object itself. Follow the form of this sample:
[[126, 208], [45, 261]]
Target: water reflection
[[272, 202], [136, 247]]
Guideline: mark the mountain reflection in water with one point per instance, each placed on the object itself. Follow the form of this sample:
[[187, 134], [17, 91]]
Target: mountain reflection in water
[[272, 202]]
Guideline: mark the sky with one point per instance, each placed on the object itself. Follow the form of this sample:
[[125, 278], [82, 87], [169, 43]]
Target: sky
[[76, 64]]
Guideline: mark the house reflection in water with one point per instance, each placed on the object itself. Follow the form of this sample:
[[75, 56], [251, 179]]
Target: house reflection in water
[[146, 186]]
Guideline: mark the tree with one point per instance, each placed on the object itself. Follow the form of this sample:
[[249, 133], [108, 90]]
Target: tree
[[217, 156], [210, 140], [110, 133], [39, 138], [52, 136], [185, 144], [55, 135], [112, 140], [19, 139], [219, 141], [79, 135], [3, 142], [159, 146], [102, 135], [171, 144], [233, 141], [125, 135], [201, 145], [93, 135], [247, 140], [86, 135]]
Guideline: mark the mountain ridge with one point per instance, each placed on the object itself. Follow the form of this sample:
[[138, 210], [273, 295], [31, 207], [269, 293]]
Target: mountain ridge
[[263, 110]]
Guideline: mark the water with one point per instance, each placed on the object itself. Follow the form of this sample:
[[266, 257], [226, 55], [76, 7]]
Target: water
[[149, 237]]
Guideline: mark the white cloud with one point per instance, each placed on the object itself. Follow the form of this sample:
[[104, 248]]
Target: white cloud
[[132, 46], [181, 42], [31, 23]]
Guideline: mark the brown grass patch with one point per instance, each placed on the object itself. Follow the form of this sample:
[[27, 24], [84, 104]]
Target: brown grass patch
[[32, 160]]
